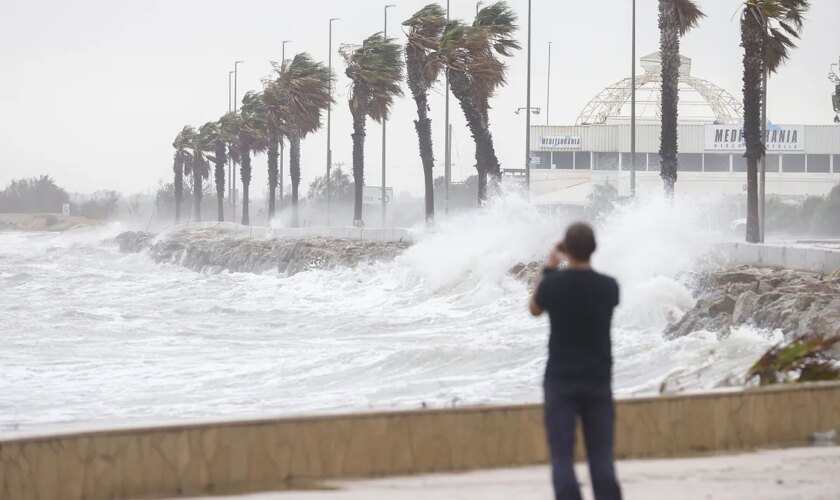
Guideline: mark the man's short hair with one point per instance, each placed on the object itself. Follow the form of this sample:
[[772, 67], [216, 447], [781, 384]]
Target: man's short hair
[[580, 241]]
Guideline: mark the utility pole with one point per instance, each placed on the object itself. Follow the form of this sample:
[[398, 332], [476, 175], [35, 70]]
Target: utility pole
[[229, 159], [548, 88], [329, 113], [633, 110], [282, 141], [235, 109], [528, 115], [762, 184], [447, 158], [384, 120]]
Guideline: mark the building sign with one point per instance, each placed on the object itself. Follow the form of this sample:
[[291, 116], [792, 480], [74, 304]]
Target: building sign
[[372, 195], [731, 138], [560, 142], [535, 160]]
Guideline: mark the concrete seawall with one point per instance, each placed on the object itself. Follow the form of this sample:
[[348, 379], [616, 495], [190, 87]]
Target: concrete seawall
[[789, 256], [255, 455]]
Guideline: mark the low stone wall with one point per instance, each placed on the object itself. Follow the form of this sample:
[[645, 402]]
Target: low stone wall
[[377, 234], [802, 258], [246, 456]]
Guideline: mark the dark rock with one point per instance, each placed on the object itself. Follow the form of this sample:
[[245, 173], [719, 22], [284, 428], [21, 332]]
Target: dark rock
[[744, 307]]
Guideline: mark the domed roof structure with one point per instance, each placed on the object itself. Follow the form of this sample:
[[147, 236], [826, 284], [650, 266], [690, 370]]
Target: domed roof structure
[[700, 101]]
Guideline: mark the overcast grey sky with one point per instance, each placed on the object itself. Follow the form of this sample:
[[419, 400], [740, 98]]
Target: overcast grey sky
[[93, 91]]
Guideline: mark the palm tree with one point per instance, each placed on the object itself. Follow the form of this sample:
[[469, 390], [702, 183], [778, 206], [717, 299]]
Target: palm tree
[[273, 114], [471, 56], [302, 88], [219, 134], [182, 158], [376, 70], [423, 69], [676, 17], [251, 138], [768, 28], [200, 170]]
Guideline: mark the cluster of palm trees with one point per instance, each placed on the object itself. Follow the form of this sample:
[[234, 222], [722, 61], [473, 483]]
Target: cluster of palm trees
[[471, 55], [290, 106], [768, 31]]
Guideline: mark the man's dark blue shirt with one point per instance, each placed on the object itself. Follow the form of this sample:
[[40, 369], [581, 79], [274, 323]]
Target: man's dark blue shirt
[[580, 304]]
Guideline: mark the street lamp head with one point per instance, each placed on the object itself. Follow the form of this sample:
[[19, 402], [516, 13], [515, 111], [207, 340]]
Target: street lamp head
[[389, 6], [535, 111], [334, 19]]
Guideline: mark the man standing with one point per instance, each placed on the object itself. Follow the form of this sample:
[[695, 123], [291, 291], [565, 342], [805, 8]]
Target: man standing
[[578, 377]]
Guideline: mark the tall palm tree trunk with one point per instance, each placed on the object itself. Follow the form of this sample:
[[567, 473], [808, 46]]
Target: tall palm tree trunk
[[358, 162], [220, 160], [752, 40], [179, 188], [669, 51], [294, 173], [196, 175], [487, 164], [423, 125], [273, 154], [245, 171]]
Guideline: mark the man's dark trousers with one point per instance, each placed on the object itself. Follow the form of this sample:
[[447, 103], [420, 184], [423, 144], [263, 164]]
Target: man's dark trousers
[[564, 401]]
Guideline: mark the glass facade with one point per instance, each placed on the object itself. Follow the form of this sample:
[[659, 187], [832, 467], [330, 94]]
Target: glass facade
[[583, 160], [793, 163], [606, 161], [714, 162], [690, 162], [819, 164], [641, 161], [540, 159], [563, 160]]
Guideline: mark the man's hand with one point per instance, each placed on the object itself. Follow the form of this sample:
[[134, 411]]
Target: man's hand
[[555, 257]]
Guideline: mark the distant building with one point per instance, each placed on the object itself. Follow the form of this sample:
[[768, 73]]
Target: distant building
[[567, 161]]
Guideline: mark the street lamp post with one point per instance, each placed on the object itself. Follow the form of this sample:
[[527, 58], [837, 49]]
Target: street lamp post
[[282, 142], [235, 109], [229, 159], [384, 120], [329, 113], [528, 115], [548, 87], [633, 109], [447, 160]]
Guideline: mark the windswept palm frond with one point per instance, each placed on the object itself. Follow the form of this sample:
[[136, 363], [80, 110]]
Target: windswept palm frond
[[425, 28], [783, 21], [376, 69], [302, 88], [688, 15]]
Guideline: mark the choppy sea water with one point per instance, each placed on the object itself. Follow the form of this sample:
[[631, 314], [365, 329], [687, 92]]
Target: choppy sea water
[[91, 336]]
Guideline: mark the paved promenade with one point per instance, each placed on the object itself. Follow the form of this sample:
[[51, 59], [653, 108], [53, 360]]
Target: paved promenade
[[792, 474]]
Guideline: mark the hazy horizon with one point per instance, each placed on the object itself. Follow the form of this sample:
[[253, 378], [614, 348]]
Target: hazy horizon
[[98, 90]]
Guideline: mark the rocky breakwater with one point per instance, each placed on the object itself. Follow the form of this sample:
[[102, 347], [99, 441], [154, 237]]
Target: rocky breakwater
[[214, 250], [796, 303]]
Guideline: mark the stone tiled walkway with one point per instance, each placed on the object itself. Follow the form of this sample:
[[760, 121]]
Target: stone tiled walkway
[[793, 474]]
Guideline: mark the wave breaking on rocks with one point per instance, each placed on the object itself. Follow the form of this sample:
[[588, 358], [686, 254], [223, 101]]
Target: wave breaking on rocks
[[215, 250]]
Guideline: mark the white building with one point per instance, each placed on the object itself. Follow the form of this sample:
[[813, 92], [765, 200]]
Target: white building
[[567, 161]]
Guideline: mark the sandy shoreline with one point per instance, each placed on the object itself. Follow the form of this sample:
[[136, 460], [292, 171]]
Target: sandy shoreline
[[45, 222]]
